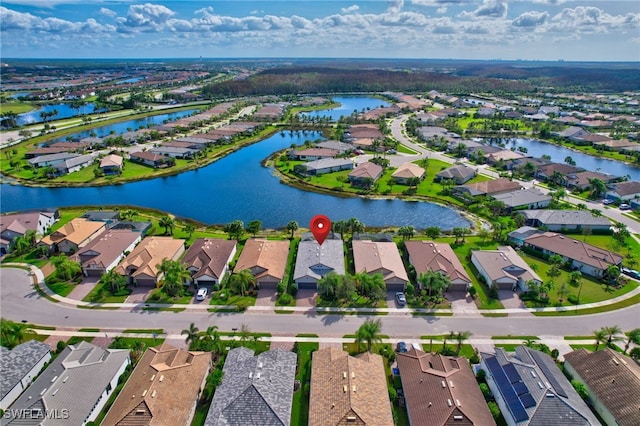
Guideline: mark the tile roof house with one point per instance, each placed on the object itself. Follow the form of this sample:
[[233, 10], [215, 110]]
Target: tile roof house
[[460, 174], [326, 165], [380, 257], [163, 389], [519, 235], [503, 268], [431, 256], [73, 235], [149, 158], [141, 265], [588, 259], [488, 187], [441, 390], [580, 181], [624, 191], [18, 367], [365, 174], [547, 171], [208, 260], [17, 224], [528, 198], [613, 382], [310, 154], [75, 386], [565, 220], [314, 261], [266, 259], [347, 389], [337, 145], [111, 164], [71, 165], [105, 252], [408, 171], [531, 390], [51, 159], [255, 390]]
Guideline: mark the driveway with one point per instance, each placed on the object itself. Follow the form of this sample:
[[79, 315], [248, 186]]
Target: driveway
[[306, 298], [462, 304], [266, 297], [84, 288], [511, 300], [139, 294]]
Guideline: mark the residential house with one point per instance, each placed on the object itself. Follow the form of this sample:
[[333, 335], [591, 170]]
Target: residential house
[[503, 156], [311, 154], [487, 187], [255, 389], [380, 257], [266, 259], [365, 174], [73, 235], [52, 160], [623, 191], [428, 256], [408, 173], [141, 265], [518, 236], [460, 173], [441, 390], [581, 181], [326, 165], [571, 132], [531, 390], [208, 260], [74, 164], [105, 252], [44, 151], [565, 220], [348, 389], [615, 144], [163, 389], [17, 224], [173, 151], [588, 259], [341, 147], [504, 268], [19, 367], [141, 227], [524, 198], [109, 217], [149, 159], [111, 164], [73, 388], [556, 172], [314, 261], [613, 382]]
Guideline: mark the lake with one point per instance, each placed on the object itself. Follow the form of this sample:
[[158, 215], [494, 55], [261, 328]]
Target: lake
[[348, 104], [64, 111]]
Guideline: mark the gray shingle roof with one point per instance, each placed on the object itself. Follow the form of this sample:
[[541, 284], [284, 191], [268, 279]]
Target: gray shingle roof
[[565, 217], [313, 258], [15, 364], [522, 197], [255, 390]]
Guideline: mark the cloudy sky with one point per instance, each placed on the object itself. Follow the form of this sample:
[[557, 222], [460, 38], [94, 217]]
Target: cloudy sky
[[463, 29]]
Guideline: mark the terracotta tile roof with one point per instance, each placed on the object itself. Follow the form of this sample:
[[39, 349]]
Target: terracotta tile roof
[[489, 187], [441, 390], [264, 257], [366, 170], [209, 256], [612, 378], [346, 389], [75, 231], [431, 256], [106, 248], [408, 171], [111, 161], [626, 188], [149, 254], [162, 390], [379, 257]]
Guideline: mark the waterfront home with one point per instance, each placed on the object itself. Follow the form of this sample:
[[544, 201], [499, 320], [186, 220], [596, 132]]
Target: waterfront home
[[623, 191], [565, 220], [441, 390], [530, 389], [408, 173], [52, 160], [163, 389], [149, 159], [524, 198], [310, 154], [518, 236], [74, 164], [173, 152], [503, 156], [73, 235], [504, 269], [341, 147], [488, 187], [105, 252], [265, 259], [428, 256], [141, 265], [359, 131], [588, 259], [380, 257], [556, 172], [111, 164], [48, 150], [110, 217], [365, 174], [207, 260], [348, 389], [325, 165], [314, 261], [19, 367], [255, 389], [17, 224], [460, 173], [612, 380], [581, 181], [74, 388]]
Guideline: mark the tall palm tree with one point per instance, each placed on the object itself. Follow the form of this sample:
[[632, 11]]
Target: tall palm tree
[[369, 333], [613, 334], [192, 334], [175, 276], [292, 227], [461, 336], [600, 337], [167, 223], [241, 281], [632, 337]]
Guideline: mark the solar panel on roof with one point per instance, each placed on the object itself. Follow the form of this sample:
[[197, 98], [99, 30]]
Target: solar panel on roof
[[527, 400], [512, 373], [546, 369], [508, 393], [520, 388]]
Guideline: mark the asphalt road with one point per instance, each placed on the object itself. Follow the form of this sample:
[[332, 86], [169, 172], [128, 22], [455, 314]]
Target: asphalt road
[[20, 302]]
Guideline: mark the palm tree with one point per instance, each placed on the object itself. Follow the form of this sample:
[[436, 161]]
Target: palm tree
[[292, 227], [328, 285], [355, 226], [369, 333], [192, 334], [613, 334], [598, 187], [460, 337], [175, 276], [600, 337], [189, 229], [113, 281], [433, 280], [167, 223], [241, 281], [632, 337]]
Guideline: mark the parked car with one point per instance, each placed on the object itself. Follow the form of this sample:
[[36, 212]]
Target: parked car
[[625, 206], [607, 202], [202, 294], [400, 299], [631, 272], [358, 152], [401, 347]]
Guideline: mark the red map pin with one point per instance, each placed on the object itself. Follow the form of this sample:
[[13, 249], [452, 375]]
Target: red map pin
[[320, 227]]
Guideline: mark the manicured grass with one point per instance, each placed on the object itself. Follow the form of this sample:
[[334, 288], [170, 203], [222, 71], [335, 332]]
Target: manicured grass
[[300, 407], [62, 288], [233, 299], [16, 107], [89, 330], [406, 150], [74, 340], [494, 315], [356, 302], [509, 347], [31, 258], [510, 336], [100, 295], [432, 314], [578, 337], [174, 310], [148, 342], [612, 307], [144, 330], [162, 297]]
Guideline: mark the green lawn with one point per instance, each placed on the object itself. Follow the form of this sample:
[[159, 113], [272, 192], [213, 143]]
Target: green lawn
[[300, 408], [356, 302], [99, 294], [62, 288]]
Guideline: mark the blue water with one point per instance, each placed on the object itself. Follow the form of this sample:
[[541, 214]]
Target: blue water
[[347, 106], [558, 153], [130, 80], [238, 187], [64, 111]]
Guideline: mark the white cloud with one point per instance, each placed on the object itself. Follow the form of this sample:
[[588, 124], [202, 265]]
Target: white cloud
[[146, 17], [353, 8], [488, 9], [530, 19], [551, 2], [108, 12], [395, 6]]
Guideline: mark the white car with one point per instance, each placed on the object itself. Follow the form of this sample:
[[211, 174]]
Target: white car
[[202, 294]]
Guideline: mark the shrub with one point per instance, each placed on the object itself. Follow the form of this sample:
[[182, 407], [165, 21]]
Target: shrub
[[495, 411], [573, 299], [285, 298], [473, 292], [60, 346], [393, 394], [281, 288], [410, 289]]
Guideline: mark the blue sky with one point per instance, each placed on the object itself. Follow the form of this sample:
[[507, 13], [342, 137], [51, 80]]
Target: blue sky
[[460, 29]]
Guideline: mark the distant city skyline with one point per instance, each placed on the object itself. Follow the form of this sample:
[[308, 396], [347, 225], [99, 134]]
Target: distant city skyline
[[432, 29]]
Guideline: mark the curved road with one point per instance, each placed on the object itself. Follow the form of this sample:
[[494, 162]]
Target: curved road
[[20, 302]]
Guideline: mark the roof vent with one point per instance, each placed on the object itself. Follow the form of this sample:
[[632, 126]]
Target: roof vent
[[65, 379], [250, 374], [55, 392], [533, 373], [450, 383], [152, 378], [458, 403], [144, 393], [161, 378], [344, 374], [449, 403], [345, 388], [615, 361], [54, 379], [550, 395], [458, 418], [444, 384], [257, 375], [353, 388], [351, 418], [353, 374], [153, 394]]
